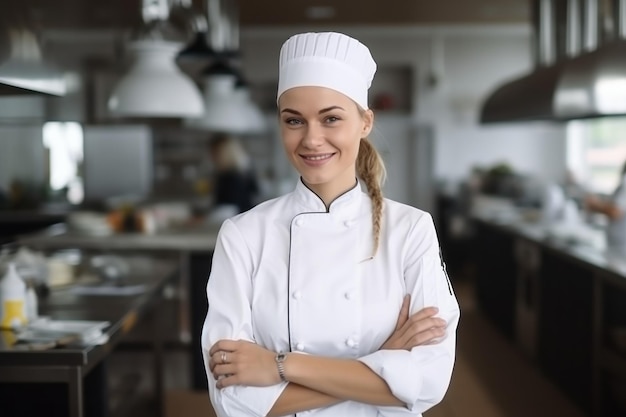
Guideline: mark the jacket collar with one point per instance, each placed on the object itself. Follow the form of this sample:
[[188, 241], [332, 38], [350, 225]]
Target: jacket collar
[[348, 202]]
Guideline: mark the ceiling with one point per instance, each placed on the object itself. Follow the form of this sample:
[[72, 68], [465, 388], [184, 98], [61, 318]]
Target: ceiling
[[389, 12], [111, 14]]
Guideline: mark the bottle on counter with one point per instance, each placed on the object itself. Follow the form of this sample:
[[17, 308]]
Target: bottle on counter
[[32, 304], [12, 299]]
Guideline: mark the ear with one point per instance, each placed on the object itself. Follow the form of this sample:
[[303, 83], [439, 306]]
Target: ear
[[368, 123]]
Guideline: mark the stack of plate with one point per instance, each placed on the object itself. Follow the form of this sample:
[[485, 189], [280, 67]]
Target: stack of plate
[[89, 223]]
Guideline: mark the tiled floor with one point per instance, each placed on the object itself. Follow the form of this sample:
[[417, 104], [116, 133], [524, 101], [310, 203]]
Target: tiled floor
[[491, 378]]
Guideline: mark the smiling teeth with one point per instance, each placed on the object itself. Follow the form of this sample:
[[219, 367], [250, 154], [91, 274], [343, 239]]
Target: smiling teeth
[[317, 158]]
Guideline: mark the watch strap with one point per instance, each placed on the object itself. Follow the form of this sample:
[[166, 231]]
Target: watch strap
[[280, 359]]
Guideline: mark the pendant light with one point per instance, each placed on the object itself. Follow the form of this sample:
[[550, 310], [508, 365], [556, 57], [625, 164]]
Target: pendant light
[[155, 86], [255, 120], [24, 71], [184, 15], [227, 102], [222, 110]]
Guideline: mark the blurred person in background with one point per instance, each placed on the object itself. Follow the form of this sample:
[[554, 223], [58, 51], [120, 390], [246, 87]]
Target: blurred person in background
[[614, 208], [234, 183]]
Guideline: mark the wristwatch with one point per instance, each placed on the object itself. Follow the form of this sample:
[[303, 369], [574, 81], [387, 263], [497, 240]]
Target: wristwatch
[[280, 359]]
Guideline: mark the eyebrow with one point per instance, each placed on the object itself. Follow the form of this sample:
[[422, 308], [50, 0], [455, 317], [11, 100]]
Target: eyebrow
[[325, 110]]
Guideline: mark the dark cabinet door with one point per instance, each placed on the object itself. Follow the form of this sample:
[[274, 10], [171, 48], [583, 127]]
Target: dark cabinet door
[[496, 278], [565, 328]]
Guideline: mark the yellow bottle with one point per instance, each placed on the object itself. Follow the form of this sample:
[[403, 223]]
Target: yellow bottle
[[12, 300]]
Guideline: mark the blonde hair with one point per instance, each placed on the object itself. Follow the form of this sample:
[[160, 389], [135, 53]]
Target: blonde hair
[[371, 169]]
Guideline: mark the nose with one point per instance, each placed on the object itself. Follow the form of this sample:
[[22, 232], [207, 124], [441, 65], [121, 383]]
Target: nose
[[313, 136]]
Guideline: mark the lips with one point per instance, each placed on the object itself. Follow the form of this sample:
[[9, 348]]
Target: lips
[[318, 157]]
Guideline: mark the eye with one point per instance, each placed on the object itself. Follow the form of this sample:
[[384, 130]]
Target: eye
[[332, 119], [293, 121]]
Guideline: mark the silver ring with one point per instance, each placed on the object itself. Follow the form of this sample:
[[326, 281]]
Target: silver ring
[[223, 357]]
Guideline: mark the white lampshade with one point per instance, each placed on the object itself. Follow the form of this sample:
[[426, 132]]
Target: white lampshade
[[155, 86], [23, 77], [251, 112], [25, 71], [226, 109]]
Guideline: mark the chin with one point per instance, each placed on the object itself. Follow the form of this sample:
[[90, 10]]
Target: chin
[[314, 179]]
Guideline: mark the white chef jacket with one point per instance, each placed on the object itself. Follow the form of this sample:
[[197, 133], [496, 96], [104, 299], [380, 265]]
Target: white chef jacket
[[616, 230], [294, 277]]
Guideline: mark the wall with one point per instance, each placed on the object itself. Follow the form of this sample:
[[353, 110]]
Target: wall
[[22, 156], [454, 69], [451, 70]]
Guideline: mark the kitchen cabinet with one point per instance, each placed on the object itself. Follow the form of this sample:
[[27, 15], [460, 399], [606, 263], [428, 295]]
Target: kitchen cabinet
[[563, 305], [609, 378], [528, 295], [495, 278], [565, 326]]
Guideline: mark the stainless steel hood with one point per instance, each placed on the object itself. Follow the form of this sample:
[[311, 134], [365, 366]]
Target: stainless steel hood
[[594, 84], [528, 98], [575, 85]]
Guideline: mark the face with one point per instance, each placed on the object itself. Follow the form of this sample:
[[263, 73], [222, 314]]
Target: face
[[321, 131]]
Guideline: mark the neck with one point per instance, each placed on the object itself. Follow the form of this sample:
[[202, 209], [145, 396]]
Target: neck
[[330, 192]]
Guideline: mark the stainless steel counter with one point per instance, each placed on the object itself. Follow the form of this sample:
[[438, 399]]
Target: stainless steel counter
[[73, 364], [193, 245], [592, 255], [197, 239]]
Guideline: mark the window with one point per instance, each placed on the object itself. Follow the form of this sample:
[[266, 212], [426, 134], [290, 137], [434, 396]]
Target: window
[[596, 152], [64, 144]]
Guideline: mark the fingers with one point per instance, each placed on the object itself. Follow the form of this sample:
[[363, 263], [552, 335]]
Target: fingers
[[224, 370], [421, 327], [226, 382], [225, 345], [403, 316], [220, 358], [426, 337], [425, 313]]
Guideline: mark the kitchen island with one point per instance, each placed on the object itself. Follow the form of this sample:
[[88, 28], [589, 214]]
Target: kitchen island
[[192, 245], [562, 300]]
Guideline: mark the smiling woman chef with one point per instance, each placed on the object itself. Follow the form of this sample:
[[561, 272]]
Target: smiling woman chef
[[328, 300]]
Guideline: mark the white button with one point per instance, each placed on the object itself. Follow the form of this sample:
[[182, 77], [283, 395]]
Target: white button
[[351, 343], [299, 222], [348, 223], [348, 295], [297, 295], [300, 346]]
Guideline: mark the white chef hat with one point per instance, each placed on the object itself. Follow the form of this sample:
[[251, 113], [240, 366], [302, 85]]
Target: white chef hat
[[327, 59]]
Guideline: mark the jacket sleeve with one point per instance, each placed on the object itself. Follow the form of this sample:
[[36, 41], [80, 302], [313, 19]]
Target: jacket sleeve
[[229, 291], [420, 378]]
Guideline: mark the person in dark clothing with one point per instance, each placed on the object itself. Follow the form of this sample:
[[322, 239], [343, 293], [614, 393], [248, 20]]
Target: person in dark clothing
[[234, 183]]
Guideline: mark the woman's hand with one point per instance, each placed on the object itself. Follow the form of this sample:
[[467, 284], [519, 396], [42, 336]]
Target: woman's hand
[[419, 329], [239, 362]]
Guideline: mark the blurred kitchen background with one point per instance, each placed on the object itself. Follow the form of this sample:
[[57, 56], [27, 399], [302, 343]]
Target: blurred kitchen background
[[499, 117]]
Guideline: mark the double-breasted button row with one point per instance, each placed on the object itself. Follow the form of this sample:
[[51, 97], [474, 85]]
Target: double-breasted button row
[[350, 342], [348, 295]]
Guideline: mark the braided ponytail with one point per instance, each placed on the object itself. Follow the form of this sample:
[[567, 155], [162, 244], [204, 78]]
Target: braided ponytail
[[371, 169]]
